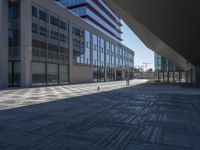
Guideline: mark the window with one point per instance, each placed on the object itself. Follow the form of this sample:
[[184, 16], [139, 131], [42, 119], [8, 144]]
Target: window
[[38, 74], [63, 38], [87, 48], [54, 35], [43, 31], [63, 74], [63, 25], [54, 21], [34, 26], [34, 29], [14, 10], [34, 11], [43, 15], [52, 74], [77, 31]]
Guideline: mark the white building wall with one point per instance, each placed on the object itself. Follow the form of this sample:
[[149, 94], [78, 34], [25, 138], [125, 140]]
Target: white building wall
[[3, 43]]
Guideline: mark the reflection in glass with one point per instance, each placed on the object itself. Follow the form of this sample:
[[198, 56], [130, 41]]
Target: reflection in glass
[[63, 74], [38, 74], [52, 74], [14, 43]]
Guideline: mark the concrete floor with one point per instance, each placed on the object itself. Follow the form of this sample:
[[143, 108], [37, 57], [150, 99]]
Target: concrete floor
[[78, 117]]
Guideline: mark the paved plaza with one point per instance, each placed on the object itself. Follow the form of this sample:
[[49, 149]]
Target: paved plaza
[[117, 117]]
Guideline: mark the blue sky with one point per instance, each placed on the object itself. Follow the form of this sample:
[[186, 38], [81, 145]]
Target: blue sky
[[142, 53]]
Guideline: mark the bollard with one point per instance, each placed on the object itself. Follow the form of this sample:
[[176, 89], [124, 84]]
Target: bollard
[[127, 83], [98, 88]]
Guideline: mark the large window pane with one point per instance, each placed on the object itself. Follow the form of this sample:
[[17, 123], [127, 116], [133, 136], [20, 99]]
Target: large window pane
[[14, 74], [38, 74], [34, 11], [42, 15], [52, 74], [64, 74]]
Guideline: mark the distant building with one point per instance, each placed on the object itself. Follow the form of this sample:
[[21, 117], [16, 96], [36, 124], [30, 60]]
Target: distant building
[[43, 43], [167, 71]]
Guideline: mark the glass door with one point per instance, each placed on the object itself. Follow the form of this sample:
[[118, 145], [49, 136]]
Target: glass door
[[14, 74]]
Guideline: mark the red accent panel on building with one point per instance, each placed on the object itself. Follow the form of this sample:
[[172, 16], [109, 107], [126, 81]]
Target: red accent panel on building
[[102, 17], [97, 13], [100, 6], [110, 8], [107, 12], [101, 26]]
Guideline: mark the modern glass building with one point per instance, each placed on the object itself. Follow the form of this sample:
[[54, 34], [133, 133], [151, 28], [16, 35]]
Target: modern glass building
[[167, 71], [43, 44], [98, 14]]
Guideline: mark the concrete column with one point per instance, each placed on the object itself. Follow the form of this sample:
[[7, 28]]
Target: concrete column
[[26, 42], [174, 77], [191, 75], [187, 76], [167, 76], [3, 43], [70, 52], [163, 77], [196, 76]]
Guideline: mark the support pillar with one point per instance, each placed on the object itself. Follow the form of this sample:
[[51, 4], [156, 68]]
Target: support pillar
[[187, 77], [195, 76], [3, 44], [191, 76], [167, 76], [71, 54], [163, 77], [174, 77], [26, 42]]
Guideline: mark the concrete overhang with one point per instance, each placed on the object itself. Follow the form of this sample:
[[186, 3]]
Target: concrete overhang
[[168, 27]]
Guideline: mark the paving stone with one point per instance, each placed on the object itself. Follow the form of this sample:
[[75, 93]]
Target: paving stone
[[78, 117]]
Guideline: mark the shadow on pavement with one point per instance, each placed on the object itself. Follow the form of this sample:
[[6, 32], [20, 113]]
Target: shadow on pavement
[[127, 118]]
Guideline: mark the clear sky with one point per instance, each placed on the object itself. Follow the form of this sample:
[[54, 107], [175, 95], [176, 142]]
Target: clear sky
[[142, 53]]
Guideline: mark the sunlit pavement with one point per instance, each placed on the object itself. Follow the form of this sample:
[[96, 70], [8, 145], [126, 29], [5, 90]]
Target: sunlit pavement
[[24, 97], [118, 117]]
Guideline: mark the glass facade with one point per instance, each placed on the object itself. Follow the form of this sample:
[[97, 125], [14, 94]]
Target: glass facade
[[108, 60], [52, 35], [87, 54], [38, 73], [50, 48], [14, 43], [95, 59], [81, 46], [97, 13], [164, 65], [167, 71]]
